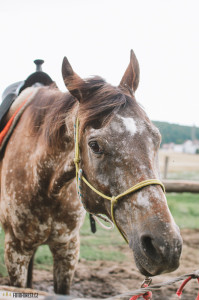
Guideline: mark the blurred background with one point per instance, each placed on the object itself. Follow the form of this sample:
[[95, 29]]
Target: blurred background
[[96, 36]]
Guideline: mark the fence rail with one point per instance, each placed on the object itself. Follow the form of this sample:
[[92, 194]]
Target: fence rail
[[181, 186]]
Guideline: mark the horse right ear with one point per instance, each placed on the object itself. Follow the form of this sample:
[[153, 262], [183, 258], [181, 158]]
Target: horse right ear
[[132, 75], [72, 81]]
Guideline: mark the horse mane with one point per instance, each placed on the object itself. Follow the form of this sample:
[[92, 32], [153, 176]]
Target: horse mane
[[47, 116], [51, 106]]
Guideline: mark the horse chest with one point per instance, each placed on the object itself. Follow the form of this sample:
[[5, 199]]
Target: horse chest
[[41, 225]]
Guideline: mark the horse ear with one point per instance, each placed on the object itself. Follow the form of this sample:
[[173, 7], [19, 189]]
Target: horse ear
[[132, 74], [71, 80]]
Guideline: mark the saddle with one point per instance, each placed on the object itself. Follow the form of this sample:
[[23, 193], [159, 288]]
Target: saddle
[[38, 78]]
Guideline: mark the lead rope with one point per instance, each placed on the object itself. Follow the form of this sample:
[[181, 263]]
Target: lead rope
[[95, 217], [179, 291]]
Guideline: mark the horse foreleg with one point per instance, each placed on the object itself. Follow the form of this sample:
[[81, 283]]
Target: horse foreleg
[[65, 258], [30, 271], [17, 261]]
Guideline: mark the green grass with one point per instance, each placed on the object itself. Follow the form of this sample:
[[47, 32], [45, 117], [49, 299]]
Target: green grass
[[185, 209], [3, 270], [104, 245], [43, 258], [92, 244]]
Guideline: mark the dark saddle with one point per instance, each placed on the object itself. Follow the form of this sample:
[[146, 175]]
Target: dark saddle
[[38, 78]]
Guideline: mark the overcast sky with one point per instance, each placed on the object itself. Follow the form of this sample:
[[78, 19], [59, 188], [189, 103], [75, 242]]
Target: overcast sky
[[97, 35]]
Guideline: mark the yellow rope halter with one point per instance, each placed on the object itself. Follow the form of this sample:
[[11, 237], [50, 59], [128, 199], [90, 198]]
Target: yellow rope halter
[[113, 199]]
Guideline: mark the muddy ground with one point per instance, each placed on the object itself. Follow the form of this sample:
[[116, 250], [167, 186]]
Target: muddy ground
[[102, 279]]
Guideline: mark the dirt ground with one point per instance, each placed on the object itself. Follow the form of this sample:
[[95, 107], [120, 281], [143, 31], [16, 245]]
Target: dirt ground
[[102, 279]]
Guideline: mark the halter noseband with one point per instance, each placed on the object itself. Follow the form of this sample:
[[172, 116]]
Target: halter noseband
[[113, 199]]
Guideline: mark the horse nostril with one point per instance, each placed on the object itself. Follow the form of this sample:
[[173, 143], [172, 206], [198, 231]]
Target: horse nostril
[[149, 248]]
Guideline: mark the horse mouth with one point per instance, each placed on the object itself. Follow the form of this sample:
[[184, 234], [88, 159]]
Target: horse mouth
[[143, 271], [157, 271], [152, 270]]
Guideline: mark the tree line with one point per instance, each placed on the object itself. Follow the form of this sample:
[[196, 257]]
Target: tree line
[[174, 133]]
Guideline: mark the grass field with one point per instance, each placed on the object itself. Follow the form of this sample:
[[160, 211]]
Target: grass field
[[105, 245]]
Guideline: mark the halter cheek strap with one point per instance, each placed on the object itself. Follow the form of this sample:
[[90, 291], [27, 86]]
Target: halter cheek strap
[[113, 199]]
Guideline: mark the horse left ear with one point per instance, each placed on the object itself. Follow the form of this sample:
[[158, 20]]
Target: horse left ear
[[71, 80], [132, 74]]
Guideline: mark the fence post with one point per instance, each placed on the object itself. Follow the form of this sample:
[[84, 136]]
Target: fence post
[[166, 163]]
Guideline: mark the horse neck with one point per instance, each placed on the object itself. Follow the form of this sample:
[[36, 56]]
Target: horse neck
[[54, 145], [63, 158]]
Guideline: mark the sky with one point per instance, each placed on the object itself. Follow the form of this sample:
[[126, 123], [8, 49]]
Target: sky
[[96, 36]]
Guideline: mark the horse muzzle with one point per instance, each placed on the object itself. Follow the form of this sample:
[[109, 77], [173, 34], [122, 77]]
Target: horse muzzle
[[157, 253]]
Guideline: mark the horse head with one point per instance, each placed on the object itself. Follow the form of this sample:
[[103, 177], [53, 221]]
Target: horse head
[[118, 147]]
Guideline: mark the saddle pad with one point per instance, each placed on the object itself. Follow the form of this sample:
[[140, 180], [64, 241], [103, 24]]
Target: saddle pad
[[14, 113], [8, 97]]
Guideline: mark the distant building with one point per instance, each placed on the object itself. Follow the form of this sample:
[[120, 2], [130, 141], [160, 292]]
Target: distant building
[[178, 148], [168, 147], [190, 147]]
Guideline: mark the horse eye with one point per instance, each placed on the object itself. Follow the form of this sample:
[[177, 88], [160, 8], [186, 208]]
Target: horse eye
[[95, 147]]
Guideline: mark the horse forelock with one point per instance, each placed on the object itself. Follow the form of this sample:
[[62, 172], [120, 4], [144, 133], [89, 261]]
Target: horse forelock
[[99, 100]]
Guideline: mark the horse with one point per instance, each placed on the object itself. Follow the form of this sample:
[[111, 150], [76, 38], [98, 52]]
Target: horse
[[118, 148]]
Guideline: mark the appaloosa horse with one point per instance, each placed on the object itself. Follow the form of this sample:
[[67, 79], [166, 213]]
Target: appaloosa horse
[[118, 148]]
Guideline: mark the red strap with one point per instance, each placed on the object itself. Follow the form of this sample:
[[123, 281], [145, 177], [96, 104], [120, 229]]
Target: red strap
[[179, 291], [146, 296], [198, 291], [8, 125]]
